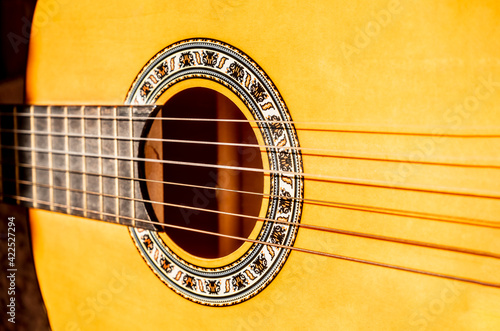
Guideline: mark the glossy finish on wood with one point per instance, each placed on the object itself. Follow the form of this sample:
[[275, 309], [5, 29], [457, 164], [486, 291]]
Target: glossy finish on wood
[[417, 82]]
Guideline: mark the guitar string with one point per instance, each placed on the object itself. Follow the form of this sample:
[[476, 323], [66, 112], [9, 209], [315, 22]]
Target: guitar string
[[261, 219], [273, 146], [385, 157], [270, 146], [333, 204], [248, 169], [298, 249], [144, 118], [414, 270], [486, 194]]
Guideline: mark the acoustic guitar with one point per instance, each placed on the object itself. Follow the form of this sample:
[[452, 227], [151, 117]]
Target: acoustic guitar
[[261, 165]]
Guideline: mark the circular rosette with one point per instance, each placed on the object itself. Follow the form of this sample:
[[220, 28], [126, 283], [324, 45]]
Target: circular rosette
[[250, 272]]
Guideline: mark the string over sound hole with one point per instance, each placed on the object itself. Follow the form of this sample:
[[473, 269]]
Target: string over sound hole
[[196, 192]]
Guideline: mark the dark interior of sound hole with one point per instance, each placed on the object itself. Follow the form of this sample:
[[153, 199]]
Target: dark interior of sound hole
[[203, 103]]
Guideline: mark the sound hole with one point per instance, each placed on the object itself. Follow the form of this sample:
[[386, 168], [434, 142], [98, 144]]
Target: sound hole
[[212, 189]]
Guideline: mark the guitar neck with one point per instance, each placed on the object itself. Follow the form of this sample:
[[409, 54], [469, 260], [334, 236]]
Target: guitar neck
[[78, 160]]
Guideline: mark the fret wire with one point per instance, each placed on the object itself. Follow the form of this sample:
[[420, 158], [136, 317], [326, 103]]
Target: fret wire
[[117, 183], [51, 171], [307, 226], [362, 208], [66, 158], [84, 164], [101, 170], [16, 153], [305, 150], [33, 157], [310, 251], [334, 179], [132, 173]]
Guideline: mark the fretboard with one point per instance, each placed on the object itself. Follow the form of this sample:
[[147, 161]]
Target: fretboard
[[78, 160]]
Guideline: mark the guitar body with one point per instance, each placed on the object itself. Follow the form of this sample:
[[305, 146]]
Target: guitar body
[[412, 72]]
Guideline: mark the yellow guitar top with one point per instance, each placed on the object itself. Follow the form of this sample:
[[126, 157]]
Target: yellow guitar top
[[376, 166]]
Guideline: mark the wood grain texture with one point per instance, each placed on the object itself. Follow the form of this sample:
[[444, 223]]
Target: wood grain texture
[[388, 66]]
